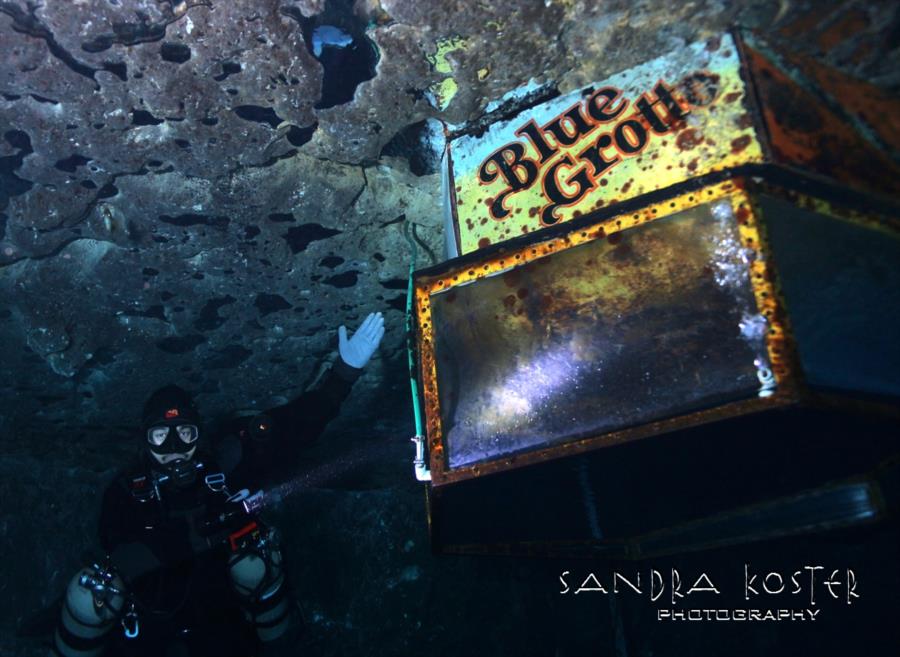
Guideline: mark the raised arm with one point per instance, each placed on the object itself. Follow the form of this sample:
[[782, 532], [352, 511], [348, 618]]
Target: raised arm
[[272, 441]]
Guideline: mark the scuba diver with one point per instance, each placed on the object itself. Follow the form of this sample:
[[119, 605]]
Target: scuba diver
[[190, 568]]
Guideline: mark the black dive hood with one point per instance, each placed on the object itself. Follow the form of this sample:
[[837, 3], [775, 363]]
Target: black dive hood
[[170, 406]]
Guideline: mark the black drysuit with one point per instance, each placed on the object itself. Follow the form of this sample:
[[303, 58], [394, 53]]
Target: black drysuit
[[161, 546]]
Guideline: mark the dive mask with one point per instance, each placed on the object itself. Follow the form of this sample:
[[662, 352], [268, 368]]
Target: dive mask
[[172, 439]]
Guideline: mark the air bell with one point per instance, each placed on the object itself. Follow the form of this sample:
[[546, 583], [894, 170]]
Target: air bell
[[670, 318]]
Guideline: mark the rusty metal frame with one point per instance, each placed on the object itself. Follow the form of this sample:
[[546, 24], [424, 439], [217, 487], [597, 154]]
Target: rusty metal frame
[[830, 205], [863, 164], [779, 341]]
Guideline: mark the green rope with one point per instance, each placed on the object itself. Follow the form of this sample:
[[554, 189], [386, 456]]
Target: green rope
[[410, 348]]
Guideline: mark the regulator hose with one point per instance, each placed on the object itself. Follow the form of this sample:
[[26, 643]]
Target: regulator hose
[[410, 337]]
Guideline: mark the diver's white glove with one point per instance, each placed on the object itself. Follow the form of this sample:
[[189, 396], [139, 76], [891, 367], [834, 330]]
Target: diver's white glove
[[357, 351]]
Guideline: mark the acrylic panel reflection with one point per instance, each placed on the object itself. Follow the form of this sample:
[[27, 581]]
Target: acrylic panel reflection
[[640, 325]]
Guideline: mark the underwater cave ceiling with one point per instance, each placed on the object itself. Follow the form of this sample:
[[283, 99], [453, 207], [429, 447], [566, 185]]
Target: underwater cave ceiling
[[202, 191]]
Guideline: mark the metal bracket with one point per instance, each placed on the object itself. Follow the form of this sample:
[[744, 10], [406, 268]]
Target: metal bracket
[[422, 473]]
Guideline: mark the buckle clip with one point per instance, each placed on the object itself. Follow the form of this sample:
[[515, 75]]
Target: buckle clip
[[130, 623], [215, 482]]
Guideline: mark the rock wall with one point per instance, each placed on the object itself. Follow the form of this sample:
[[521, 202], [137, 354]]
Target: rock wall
[[202, 191]]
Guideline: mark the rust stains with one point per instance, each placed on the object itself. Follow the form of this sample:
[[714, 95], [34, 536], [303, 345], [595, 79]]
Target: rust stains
[[739, 144], [512, 278], [688, 139]]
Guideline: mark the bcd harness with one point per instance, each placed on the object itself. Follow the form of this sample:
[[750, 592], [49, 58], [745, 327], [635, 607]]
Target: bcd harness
[[234, 523]]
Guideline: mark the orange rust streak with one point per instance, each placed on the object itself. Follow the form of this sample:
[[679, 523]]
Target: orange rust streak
[[852, 23], [779, 341], [878, 109], [806, 22], [697, 418], [803, 132]]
